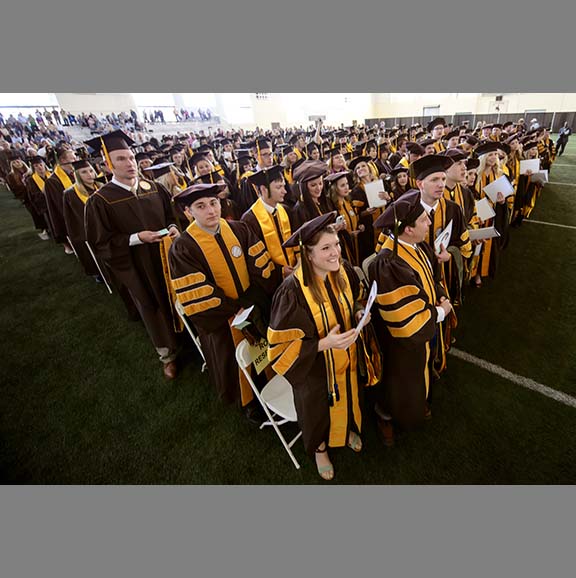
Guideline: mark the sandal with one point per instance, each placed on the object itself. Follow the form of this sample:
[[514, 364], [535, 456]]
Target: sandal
[[354, 442], [326, 472]]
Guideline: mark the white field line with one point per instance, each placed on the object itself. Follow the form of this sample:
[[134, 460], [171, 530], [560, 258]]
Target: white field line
[[517, 379], [550, 224]]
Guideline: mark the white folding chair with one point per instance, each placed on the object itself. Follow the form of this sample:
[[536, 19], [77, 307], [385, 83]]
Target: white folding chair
[[366, 264], [276, 399], [361, 276], [193, 335]]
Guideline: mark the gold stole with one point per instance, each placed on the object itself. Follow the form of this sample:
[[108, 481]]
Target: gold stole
[[485, 179], [38, 180], [63, 177], [337, 361], [417, 260], [271, 240], [404, 162], [216, 260], [80, 194], [223, 278], [164, 246], [288, 175]]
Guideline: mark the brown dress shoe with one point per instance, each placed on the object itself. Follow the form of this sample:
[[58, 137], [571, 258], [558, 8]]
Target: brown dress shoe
[[170, 370], [386, 432]]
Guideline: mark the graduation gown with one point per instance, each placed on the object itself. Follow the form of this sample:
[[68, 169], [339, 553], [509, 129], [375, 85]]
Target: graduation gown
[[486, 263], [213, 277], [368, 238], [408, 290], [74, 204], [35, 201], [296, 326], [54, 189], [112, 215], [272, 230]]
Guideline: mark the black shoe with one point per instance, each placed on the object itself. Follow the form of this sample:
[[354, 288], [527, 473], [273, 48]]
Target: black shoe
[[254, 414]]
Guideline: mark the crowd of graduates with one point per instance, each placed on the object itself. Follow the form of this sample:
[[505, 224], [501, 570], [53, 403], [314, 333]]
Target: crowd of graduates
[[286, 222]]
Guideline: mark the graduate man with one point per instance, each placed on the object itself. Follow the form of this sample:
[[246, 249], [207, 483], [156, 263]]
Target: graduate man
[[218, 268], [430, 174], [54, 188], [126, 221], [269, 220], [410, 303]]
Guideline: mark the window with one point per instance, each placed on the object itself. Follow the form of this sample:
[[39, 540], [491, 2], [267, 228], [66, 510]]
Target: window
[[431, 111]]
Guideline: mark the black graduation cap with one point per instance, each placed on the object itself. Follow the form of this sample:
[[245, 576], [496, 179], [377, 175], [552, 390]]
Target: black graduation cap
[[341, 134], [427, 142], [452, 134], [404, 210], [264, 177], [399, 169], [529, 145], [112, 141], [81, 164], [354, 162], [160, 169], [198, 191], [415, 148], [511, 138], [436, 122], [486, 148], [309, 229], [430, 164], [497, 125], [455, 154], [225, 141], [196, 158], [335, 151], [332, 178], [261, 143], [142, 156], [285, 149], [243, 153], [213, 177], [472, 163], [309, 170], [311, 146], [36, 160]]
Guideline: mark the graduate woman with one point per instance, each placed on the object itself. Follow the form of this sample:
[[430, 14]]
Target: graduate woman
[[312, 342], [349, 227]]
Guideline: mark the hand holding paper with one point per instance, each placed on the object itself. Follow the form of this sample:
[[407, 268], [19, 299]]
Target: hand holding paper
[[369, 303], [373, 191], [500, 185]]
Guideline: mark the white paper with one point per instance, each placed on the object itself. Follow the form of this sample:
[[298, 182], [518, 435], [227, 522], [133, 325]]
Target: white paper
[[540, 177], [478, 250], [500, 185], [372, 189], [163, 232], [443, 238], [485, 233], [369, 303], [241, 320], [484, 209], [529, 165]]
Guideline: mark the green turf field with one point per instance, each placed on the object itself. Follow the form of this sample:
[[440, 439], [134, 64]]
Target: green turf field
[[84, 400]]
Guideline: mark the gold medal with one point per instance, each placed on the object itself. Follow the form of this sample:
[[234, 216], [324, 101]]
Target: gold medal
[[145, 186], [236, 251]]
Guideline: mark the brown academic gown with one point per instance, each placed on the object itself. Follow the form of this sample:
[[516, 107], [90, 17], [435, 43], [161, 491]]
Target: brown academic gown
[[293, 337], [54, 190], [408, 290], [213, 277], [74, 219], [269, 230], [35, 202], [112, 215]]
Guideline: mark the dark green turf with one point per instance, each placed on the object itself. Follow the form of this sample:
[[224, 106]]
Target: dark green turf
[[84, 400]]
